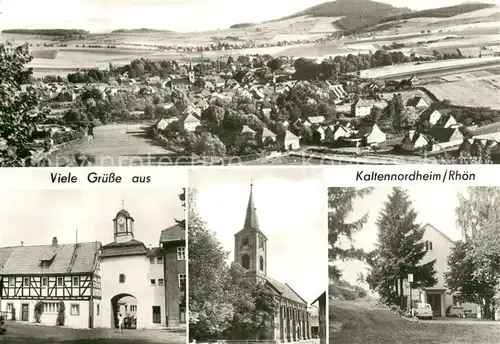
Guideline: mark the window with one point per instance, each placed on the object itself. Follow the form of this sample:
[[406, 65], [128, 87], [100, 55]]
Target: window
[[26, 282], [9, 307], [59, 281], [98, 309], [159, 260], [245, 241], [261, 263], [152, 260], [160, 281], [429, 246], [121, 278], [133, 308], [181, 253], [261, 243], [153, 282], [12, 281], [76, 281], [50, 307], [45, 281], [74, 309], [126, 306], [245, 261], [156, 314], [182, 281], [45, 263], [182, 314]]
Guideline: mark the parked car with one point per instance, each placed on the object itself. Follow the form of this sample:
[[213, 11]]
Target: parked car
[[455, 312], [3, 329], [422, 311]]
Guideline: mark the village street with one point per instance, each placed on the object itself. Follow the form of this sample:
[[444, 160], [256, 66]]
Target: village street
[[116, 145], [18, 332], [363, 323]]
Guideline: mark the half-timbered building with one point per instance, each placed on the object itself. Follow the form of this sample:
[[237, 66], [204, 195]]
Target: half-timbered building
[[96, 282], [50, 274]]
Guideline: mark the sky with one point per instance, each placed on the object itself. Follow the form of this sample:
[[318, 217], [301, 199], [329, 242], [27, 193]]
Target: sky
[[176, 15], [291, 208], [35, 217], [434, 205]]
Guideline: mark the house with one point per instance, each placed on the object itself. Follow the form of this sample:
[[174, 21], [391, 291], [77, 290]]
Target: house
[[340, 132], [319, 130], [192, 109], [268, 135], [414, 140], [418, 103], [476, 147], [486, 52], [430, 116], [414, 80], [320, 302], [288, 141], [438, 246], [445, 137], [202, 104], [488, 132], [371, 134], [247, 132], [363, 107], [266, 112], [189, 122], [163, 123], [314, 120], [337, 90], [447, 121]]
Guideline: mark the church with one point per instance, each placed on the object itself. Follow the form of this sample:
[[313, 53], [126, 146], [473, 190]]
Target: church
[[97, 282], [291, 323]]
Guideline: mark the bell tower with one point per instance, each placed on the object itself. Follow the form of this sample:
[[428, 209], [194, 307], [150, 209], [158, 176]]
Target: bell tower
[[250, 244], [123, 225]]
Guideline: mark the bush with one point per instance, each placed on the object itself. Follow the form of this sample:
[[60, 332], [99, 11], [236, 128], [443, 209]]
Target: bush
[[61, 314], [38, 311]]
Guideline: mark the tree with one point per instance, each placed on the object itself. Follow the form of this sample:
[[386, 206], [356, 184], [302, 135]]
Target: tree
[[340, 205], [399, 250], [210, 306], [38, 311], [20, 115], [61, 314], [274, 64]]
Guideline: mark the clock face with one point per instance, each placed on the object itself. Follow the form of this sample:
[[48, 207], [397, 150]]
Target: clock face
[[121, 220]]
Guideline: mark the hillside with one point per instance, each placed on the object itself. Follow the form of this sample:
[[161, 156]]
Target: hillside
[[141, 30], [355, 13], [47, 32]]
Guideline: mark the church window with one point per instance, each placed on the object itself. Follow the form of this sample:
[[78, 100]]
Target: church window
[[152, 260], [153, 281], [59, 281], [159, 260], [133, 308], [75, 309], [160, 281], [245, 261], [245, 241], [26, 282], [181, 253], [121, 278], [76, 282], [261, 263], [261, 243]]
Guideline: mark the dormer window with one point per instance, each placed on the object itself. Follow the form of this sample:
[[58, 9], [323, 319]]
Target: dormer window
[[45, 263]]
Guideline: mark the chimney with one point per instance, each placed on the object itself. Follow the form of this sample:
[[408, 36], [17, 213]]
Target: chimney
[[54, 241], [22, 243]]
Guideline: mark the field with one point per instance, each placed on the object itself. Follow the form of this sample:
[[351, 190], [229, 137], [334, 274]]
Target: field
[[363, 323], [475, 93]]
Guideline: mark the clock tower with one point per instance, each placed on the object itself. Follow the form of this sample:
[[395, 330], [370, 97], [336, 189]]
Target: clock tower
[[123, 225]]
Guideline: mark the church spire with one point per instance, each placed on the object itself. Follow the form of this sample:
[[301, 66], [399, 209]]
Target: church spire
[[251, 220]]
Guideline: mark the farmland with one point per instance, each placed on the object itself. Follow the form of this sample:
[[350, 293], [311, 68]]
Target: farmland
[[475, 93]]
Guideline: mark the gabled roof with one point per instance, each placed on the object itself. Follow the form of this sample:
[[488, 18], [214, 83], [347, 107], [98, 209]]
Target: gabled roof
[[66, 259], [190, 118], [442, 134], [285, 290], [247, 130], [129, 248], [267, 133], [172, 233], [320, 298], [437, 230]]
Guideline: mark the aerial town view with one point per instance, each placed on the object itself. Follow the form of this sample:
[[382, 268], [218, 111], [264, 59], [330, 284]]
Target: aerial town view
[[341, 82]]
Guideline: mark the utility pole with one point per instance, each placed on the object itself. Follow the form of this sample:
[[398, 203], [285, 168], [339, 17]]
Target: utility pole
[[410, 281]]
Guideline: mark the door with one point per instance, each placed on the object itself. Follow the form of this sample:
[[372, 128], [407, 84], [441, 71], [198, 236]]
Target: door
[[435, 301], [156, 315], [25, 312]]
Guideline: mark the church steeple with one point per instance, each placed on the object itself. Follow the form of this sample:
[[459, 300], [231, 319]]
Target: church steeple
[[251, 220]]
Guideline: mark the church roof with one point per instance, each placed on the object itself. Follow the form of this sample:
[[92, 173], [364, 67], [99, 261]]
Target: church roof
[[129, 248], [67, 258], [251, 219], [172, 233], [285, 290]]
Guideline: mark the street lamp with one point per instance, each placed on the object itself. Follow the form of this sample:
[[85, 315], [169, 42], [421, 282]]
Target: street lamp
[[410, 280]]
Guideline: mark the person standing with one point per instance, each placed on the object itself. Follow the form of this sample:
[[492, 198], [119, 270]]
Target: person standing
[[120, 322]]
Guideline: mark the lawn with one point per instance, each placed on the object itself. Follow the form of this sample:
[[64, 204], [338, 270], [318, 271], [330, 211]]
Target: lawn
[[18, 332], [363, 323]]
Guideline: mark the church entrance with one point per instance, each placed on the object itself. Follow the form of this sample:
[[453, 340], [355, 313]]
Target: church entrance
[[126, 306]]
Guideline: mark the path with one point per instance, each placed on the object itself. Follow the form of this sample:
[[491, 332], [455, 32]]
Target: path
[[116, 145]]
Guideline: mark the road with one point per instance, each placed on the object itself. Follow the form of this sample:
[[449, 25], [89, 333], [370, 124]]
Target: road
[[115, 145], [362, 323], [19, 332]]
